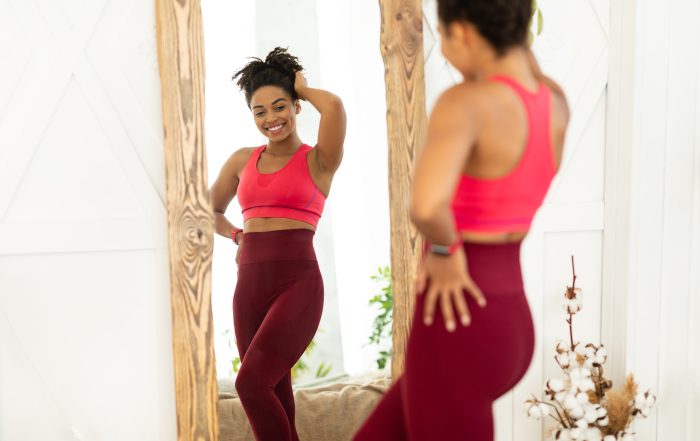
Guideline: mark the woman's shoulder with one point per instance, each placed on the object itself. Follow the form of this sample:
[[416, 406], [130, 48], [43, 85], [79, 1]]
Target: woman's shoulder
[[460, 101], [244, 153], [239, 158], [471, 93]]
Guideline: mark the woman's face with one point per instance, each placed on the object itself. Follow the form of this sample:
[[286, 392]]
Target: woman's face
[[456, 44], [274, 112]]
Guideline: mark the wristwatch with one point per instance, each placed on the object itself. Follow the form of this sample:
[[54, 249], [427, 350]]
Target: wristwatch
[[234, 234], [445, 250]]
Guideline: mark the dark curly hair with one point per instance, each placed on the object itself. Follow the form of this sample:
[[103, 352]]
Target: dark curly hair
[[504, 23], [278, 69]]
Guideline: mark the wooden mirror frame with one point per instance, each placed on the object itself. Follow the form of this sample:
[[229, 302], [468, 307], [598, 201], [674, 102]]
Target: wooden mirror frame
[[180, 43]]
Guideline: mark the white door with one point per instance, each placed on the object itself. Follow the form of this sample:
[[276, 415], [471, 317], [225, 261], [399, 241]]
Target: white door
[[573, 49], [84, 295]]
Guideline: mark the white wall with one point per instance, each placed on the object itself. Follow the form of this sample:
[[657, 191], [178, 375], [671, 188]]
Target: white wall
[[85, 332], [656, 119]]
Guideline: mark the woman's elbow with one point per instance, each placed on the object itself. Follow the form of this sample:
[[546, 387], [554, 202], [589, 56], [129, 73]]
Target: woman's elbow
[[422, 212]]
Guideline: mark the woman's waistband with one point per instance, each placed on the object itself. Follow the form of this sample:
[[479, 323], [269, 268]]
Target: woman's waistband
[[280, 245]]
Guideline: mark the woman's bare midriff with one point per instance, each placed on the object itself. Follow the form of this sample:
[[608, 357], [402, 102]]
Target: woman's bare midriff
[[261, 224], [495, 238]]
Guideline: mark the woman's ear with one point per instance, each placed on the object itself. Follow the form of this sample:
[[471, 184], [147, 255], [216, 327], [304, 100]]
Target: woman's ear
[[471, 36], [457, 30], [297, 106]]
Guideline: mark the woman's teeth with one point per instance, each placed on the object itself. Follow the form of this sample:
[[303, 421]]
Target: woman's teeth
[[275, 129]]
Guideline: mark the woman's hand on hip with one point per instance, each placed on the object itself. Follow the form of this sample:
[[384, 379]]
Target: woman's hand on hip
[[240, 245], [447, 277]]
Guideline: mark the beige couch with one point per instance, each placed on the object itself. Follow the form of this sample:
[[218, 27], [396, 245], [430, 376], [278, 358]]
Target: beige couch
[[330, 412]]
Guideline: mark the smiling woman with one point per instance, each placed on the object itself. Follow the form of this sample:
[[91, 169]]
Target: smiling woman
[[282, 187]]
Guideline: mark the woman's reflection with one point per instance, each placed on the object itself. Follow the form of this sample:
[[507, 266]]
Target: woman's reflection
[[281, 187]]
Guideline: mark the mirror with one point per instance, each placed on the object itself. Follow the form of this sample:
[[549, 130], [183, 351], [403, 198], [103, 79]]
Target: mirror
[[337, 46]]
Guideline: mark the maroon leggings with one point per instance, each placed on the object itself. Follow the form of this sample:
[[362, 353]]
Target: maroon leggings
[[452, 379], [276, 310]]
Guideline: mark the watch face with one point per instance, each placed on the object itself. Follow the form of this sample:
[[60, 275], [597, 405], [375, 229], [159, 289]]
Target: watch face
[[440, 249]]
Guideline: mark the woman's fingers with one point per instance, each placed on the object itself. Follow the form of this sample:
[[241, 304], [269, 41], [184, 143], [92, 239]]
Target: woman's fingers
[[447, 311], [429, 306], [451, 300], [461, 307], [476, 293], [420, 281]]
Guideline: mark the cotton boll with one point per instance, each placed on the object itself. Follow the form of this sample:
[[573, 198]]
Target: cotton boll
[[601, 356], [556, 385], [570, 402], [573, 359], [580, 379], [593, 434], [537, 411], [588, 351], [590, 416], [601, 416], [580, 374], [582, 397], [566, 360], [587, 385], [562, 347], [577, 434], [572, 306], [576, 412], [601, 411], [609, 438], [563, 435], [650, 399]]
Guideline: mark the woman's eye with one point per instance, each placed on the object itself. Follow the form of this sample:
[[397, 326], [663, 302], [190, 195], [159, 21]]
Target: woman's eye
[[260, 114], [279, 108]]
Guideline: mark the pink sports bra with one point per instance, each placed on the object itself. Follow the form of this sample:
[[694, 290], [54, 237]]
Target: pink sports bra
[[509, 203], [287, 193]]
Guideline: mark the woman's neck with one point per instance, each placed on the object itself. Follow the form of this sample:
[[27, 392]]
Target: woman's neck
[[513, 63], [287, 146]]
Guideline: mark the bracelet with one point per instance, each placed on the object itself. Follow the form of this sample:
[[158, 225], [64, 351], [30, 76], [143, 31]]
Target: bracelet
[[234, 235], [446, 250]]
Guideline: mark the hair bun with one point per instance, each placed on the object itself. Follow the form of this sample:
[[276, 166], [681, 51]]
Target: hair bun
[[279, 69], [283, 61]]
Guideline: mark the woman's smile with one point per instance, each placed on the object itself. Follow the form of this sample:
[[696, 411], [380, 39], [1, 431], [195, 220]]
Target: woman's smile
[[276, 129]]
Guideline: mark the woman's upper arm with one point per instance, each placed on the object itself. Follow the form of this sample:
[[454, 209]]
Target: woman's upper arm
[[452, 132], [560, 119], [331, 135], [225, 186]]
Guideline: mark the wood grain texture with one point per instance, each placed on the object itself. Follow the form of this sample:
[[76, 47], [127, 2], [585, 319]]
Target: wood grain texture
[[190, 218], [402, 52]]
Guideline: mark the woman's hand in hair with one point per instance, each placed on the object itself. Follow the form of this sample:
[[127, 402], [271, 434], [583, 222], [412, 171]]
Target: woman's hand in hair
[[300, 85], [446, 279], [331, 130]]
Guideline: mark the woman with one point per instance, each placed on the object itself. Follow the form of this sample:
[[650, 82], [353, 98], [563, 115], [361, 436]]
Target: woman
[[281, 188], [494, 144]]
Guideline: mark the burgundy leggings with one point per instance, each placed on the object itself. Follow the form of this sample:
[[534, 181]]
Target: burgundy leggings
[[276, 310], [452, 379]]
